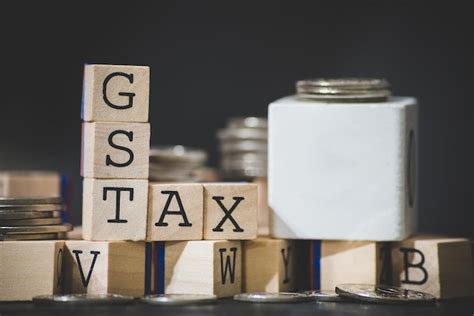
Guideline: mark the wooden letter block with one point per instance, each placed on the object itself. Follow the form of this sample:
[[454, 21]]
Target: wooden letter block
[[230, 211], [115, 150], [269, 265], [114, 209], [195, 267], [104, 267], [436, 265], [30, 268], [175, 211], [339, 262], [114, 93]]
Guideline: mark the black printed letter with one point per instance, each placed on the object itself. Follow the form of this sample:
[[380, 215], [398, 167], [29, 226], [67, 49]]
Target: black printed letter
[[117, 202], [130, 95], [227, 265], [286, 261], [227, 213], [166, 211], [407, 265], [108, 160], [85, 281]]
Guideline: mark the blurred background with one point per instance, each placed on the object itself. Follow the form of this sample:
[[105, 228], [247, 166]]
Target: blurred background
[[211, 60]]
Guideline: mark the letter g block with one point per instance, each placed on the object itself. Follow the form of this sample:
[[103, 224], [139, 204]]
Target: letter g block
[[115, 150], [114, 93]]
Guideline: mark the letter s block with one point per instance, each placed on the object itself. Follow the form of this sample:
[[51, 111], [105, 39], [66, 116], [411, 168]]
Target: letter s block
[[114, 93], [114, 209], [104, 267], [115, 150], [436, 265], [204, 267], [175, 211]]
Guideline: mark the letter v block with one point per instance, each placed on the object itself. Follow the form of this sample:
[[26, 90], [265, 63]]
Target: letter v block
[[115, 93], [194, 267], [230, 211], [104, 267], [175, 211], [269, 265], [114, 209], [436, 265], [115, 150]]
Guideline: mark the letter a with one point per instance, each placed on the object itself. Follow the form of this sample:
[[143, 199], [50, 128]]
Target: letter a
[[166, 211]]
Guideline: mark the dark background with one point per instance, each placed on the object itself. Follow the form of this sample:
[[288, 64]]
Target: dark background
[[214, 59]]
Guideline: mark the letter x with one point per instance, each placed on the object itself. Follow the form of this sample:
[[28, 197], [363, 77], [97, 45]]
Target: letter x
[[228, 213]]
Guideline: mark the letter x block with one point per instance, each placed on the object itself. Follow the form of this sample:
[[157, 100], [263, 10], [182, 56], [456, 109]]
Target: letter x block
[[338, 262], [269, 265], [30, 268], [104, 267], [436, 265], [114, 93], [115, 150], [194, 267], [230, 211], [114, 209], [175, 211]]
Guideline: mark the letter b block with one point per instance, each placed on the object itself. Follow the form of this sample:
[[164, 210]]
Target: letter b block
[[115, 150], [436, 265], [114, 93], [175, 211], [114, 209], [230, 211]]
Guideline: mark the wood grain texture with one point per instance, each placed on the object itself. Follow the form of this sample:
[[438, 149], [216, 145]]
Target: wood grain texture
[[263, 211], [30, 183], [437, 265], [116, 93], [114, 209], [175, 212], [203, 267], [351, 262], [115, 150], [30, 268], [230, 211], [102, 267], [269, 265]]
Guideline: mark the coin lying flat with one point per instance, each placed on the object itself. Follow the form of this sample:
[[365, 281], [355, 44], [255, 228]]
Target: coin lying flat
[[47, 236], [252, 122], [31, 222], [30, 200], [324, 296], [178, 299], [383, 294], [83, 299], [281, 297], [9, 214], [33, 207], [177, 153], [35, 229]]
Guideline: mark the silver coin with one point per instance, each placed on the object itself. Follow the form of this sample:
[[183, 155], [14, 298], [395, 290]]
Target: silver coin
[[31, 222], [244, 146], [264, 297], [33, 207], [47, 236], [178, 299], [9, 215], [324, 296], [242, 133], [83, 299], [30, 200], [177, 153], [383, 294], [5, 230], [251, 122], [347, 83]]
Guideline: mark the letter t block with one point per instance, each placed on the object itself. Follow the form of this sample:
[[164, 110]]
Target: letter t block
[[114, 209]]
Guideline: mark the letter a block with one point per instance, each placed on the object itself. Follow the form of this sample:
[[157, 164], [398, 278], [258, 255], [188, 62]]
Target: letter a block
[[195, 267], [269, 265], [115, 150], [436, 265], [114, 209], [30, 268], [114, 93], [339, 262], [230, 211], [175, 211], [105, 267]]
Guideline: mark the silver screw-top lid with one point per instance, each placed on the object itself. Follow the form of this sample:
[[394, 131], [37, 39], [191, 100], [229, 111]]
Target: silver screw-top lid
[[344, 89]]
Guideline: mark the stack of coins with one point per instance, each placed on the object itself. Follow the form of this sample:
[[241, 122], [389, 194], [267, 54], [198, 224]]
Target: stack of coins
[[243, 148], [179, 164], [32, 218]]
